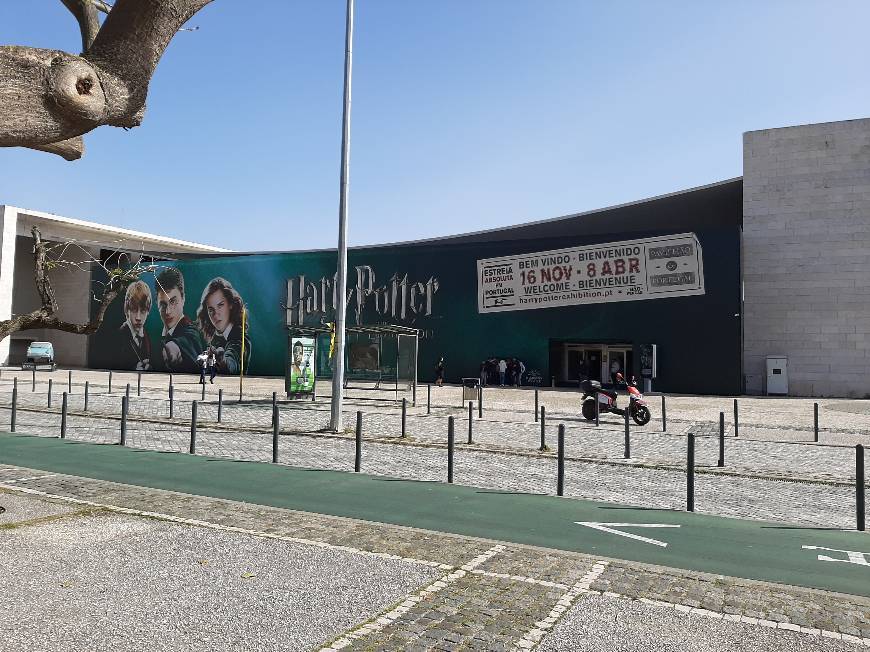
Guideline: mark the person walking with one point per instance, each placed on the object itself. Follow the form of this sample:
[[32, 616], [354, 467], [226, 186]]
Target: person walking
[[520, 372], [439, 373], [202, 363], [211, 364], [502, 369]]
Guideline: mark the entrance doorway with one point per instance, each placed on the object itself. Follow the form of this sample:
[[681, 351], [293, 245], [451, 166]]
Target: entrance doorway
[[598, 362]]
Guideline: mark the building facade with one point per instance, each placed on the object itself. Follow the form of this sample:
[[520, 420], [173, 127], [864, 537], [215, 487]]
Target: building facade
[[718, 278], [586, 287]]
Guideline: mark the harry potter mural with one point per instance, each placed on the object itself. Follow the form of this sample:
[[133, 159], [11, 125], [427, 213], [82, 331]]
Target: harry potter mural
[[469, 301], [199, 305], [180, 339]]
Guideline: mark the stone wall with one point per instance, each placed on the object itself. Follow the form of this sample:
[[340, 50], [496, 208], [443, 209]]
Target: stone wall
[[806, 256]]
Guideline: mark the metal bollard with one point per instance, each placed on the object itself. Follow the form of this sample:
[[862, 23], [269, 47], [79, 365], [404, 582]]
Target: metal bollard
[[690, 475], [815, 422], [171, 403], [859, 486], [49, 392], [139, 384], [664, 415], [480, 402], [63, 408], [597, 411], [33, 386], [428, 398], [536, 407], [220, 403], [543, 425], [552, 381], [357, 460], [470, 422], [721, 462], [276, 426], [560, 468], [203, 391], [404, 418], [127, 392], [450, 444], [274, 406], [627, 452], [14, 404], [69, 383], [124, 407], [110, 382], [735, 417], [87, 391], [193, 428]]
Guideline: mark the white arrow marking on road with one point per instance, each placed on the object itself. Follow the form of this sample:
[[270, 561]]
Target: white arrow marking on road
[[608, 527], [860, 558]]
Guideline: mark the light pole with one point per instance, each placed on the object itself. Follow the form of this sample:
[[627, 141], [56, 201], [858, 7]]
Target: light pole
[[341, 276]]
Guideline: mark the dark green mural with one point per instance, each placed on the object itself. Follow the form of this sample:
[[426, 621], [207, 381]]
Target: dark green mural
[[432, 287]]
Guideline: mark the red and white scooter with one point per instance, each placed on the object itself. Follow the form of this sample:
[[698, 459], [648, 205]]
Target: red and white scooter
[[593, 391]]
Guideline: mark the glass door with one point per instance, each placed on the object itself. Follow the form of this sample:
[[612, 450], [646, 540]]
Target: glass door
[[616, 364], [592, 364]]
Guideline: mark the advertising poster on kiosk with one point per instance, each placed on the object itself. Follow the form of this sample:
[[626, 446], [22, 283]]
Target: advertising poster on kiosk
[[301, 377]]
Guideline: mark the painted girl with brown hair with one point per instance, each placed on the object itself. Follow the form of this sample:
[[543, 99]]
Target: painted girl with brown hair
[[220, 319]]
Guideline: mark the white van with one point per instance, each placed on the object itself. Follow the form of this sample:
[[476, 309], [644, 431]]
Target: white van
[[39, 354]]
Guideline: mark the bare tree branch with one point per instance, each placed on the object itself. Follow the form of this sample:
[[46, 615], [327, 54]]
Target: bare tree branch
[[48, 257], [85, 12], [128, 48]]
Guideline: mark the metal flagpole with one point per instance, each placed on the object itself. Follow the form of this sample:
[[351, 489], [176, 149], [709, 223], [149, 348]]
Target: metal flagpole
[[341, 277]]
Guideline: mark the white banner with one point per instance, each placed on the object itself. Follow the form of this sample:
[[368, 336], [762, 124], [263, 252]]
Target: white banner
[[651, 268]]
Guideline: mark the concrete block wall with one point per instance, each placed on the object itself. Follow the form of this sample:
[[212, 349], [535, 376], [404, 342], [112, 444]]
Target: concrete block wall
[[806, 256]]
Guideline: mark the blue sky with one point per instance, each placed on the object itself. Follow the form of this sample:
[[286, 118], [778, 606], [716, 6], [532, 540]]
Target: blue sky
[[467, 114]]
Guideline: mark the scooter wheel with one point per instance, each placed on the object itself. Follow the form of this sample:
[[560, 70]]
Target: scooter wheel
[[589, 410], [641, 415]]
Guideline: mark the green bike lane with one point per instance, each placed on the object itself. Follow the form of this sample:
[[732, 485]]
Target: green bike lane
[[819, 558]]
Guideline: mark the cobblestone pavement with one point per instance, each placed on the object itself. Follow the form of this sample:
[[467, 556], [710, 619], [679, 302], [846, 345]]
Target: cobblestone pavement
[[758, 483], [840, 420], [498, 430], [388, 587]]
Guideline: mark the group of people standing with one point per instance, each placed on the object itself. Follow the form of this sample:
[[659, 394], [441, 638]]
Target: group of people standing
[[213, 343], [505, 371]]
